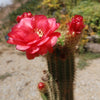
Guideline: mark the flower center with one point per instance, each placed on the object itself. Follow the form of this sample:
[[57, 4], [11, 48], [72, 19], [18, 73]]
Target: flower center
[[39, 32], [73, 33]]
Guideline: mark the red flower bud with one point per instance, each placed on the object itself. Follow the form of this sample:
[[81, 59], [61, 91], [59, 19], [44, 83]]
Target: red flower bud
[[19, 18], [29, 14], [41, 86], [24, 15], [76, 25]]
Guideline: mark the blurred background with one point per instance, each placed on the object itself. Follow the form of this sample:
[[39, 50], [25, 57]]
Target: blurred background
[[19, 77]]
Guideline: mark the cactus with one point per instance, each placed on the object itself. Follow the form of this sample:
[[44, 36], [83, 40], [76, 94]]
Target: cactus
[[61, 67], [36, 35], [50, 91], [61, 64]]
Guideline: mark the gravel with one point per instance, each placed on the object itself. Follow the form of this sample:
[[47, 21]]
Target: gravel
[[19, 77]]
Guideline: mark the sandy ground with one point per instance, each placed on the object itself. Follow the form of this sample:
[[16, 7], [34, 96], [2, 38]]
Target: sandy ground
[[19, 77]]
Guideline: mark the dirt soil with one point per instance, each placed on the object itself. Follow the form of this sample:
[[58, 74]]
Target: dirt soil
[[19, 77]]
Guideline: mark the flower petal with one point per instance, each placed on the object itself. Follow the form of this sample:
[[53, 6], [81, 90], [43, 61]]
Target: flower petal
[[52, 24], [15, 41], [31, 56], [40, 22], [43, 41], [52, 41], [43, 50], [26, 22], [55, 34], [33, 50], [23, 33], [21, 47]]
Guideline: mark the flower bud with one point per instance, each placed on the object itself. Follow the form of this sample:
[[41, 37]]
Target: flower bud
[[41, 86], [24, 15], [76, 25]]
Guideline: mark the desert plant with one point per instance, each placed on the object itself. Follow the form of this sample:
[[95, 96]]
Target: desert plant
[[36, 35], [90, 10]]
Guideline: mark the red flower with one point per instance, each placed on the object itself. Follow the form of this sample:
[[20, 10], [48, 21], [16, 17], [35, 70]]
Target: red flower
[[76, 25], [41, 86], [24, 15], [34, 35]]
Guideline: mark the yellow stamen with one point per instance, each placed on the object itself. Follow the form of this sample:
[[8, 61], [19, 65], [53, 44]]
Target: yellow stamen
[[73, 33], [39, 32]]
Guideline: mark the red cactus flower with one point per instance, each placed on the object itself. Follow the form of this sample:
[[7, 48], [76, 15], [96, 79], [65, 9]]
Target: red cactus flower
[[34, 35], [76, 25], [41, 86], [24, 15]]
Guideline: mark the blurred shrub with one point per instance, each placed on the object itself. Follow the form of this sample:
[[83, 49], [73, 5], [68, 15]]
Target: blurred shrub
[[51, 4], [88, 32], [91, 13], [16, 1], [53, 8], [64, 19], [30, 5]]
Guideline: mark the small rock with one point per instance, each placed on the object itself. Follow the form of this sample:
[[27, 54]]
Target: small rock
[[93, 38], [92, 47]]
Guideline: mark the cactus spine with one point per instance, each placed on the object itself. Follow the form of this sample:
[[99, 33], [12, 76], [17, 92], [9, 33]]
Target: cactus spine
[[61, 66]]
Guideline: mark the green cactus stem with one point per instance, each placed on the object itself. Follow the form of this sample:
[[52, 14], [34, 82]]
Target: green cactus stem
[[61, 66], [61, 69]]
